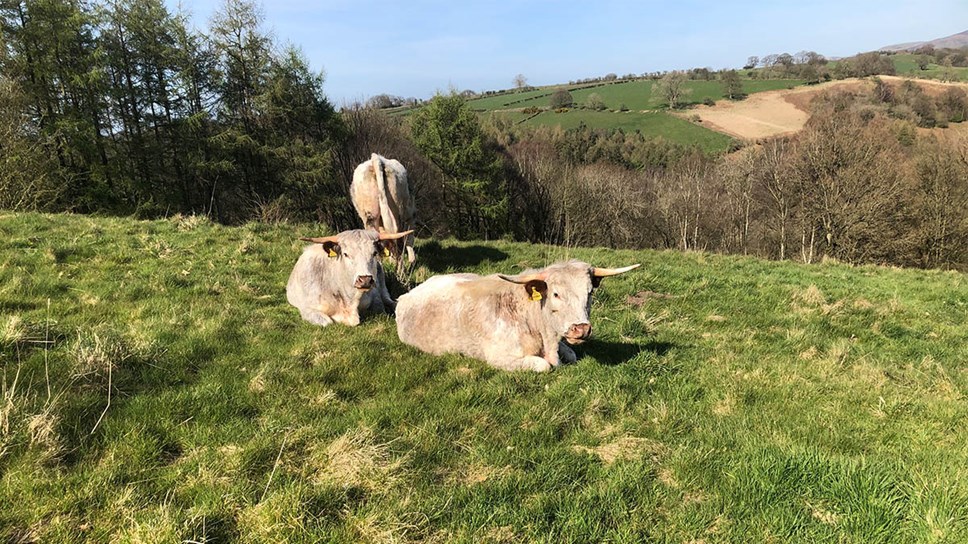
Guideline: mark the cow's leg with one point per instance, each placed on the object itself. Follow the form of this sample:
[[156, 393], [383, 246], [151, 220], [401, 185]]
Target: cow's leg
[[349, 317], [411, 256], [528, 362], [388, 304], [315, 317], [565, 354]]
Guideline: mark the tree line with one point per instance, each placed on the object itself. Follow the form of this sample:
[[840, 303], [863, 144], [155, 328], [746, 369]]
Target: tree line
[[123, 108]]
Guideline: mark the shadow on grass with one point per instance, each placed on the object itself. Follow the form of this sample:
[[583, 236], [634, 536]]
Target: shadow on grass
[[439, 259], [611, 353]]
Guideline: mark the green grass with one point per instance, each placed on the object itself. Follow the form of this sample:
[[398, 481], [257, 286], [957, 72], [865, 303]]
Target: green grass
[[905, 64], [636, 95], [654, 124], [729, 400]]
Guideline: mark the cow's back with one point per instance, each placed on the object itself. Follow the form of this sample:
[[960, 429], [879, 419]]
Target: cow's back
[[427, 316], [366, 197], [398, 185]]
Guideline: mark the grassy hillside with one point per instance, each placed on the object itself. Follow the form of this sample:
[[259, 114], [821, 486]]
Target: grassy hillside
[[158, 388], [906, 65], [636, 95]]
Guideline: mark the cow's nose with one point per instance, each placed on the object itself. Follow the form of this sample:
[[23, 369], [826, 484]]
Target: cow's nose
[[364, 282], [580, 330]]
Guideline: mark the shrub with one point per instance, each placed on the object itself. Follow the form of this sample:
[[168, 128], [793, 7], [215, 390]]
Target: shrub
[[595, 102], [561, 99], [708, 101]]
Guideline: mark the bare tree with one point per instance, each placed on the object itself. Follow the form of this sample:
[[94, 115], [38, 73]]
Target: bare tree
[[777, 191], [672, 88], [520, 82]]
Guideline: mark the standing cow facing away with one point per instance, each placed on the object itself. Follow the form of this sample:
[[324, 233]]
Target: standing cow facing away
[[512, 322], [339, 277], [381, 195]]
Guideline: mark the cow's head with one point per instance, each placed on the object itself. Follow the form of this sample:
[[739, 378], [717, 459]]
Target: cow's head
[[358, 252], [564, 291]]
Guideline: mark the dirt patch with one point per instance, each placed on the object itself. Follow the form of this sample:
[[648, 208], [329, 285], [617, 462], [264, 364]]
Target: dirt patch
[[640, 298], [776, 113]]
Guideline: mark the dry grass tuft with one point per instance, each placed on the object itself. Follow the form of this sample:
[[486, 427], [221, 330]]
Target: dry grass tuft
[[812, 296], [273, 519], [474, 474], [724, 406], [355, 459], [97, 354], [822, 514], [385, 528], [40, 429], [189, 222], [14, 331], [626, 447], [258, 382]]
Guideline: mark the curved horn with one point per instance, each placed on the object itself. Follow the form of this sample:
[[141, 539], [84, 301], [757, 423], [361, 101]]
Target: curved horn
[[321, 240], [605, 272], [394, 236], [522, 279]]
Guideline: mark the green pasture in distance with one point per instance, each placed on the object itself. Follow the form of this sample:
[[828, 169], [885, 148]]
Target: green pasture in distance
[[640, 95], [651, 123]]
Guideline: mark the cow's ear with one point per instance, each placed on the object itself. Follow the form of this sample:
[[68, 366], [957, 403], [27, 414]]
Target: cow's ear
[[387, 247], [596, 281], [536, 289], [331, 248]]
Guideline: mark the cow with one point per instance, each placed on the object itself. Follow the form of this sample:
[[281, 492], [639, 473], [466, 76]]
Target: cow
[[381, 195], [339, 277], [511, 322]]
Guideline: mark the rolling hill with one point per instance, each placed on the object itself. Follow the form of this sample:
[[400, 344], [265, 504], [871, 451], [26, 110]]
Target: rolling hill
[[954, 41]]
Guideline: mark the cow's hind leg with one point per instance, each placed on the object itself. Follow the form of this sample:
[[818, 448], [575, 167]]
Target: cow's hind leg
[[528, 362], [315, 317]]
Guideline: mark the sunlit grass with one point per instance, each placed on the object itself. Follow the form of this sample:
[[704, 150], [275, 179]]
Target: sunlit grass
[[723, 399]]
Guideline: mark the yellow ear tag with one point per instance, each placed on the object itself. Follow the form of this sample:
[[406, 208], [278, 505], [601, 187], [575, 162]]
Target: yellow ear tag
[[386, 251], [535, 295], [332, 253]]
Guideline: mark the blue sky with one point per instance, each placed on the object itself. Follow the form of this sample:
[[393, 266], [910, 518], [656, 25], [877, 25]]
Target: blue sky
[[419, 47]]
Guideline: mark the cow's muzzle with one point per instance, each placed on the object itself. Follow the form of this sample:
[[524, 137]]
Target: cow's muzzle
[[363, 282], [578, 333]]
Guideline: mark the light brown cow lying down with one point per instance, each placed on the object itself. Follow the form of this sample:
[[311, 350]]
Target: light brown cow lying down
[[512, 322], [340, 276]]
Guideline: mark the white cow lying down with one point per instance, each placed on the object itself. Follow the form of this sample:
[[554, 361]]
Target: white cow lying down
[[512, 322], [339, 277]]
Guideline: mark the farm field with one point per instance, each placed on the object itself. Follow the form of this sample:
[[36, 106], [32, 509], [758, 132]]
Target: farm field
[[656, 124], [636, 95], [646, 113], [158, 388], [906, 65]]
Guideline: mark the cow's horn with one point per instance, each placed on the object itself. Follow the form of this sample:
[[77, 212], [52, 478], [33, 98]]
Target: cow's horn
[[522, 279], [605, 272], [394, 236], [321, 240]]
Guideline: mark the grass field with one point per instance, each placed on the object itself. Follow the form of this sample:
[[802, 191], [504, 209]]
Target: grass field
[[645, 113], [906, 64], [636, 95], [158, 388], [655, 124]]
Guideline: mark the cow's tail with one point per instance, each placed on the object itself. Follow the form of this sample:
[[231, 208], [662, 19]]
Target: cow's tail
[[386, 214]]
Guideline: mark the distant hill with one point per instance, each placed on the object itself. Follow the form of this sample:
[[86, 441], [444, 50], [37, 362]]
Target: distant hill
[[954, 41]]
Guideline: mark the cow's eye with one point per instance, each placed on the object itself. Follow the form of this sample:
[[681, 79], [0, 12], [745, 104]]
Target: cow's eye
[[347, 255], [556, 295]]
